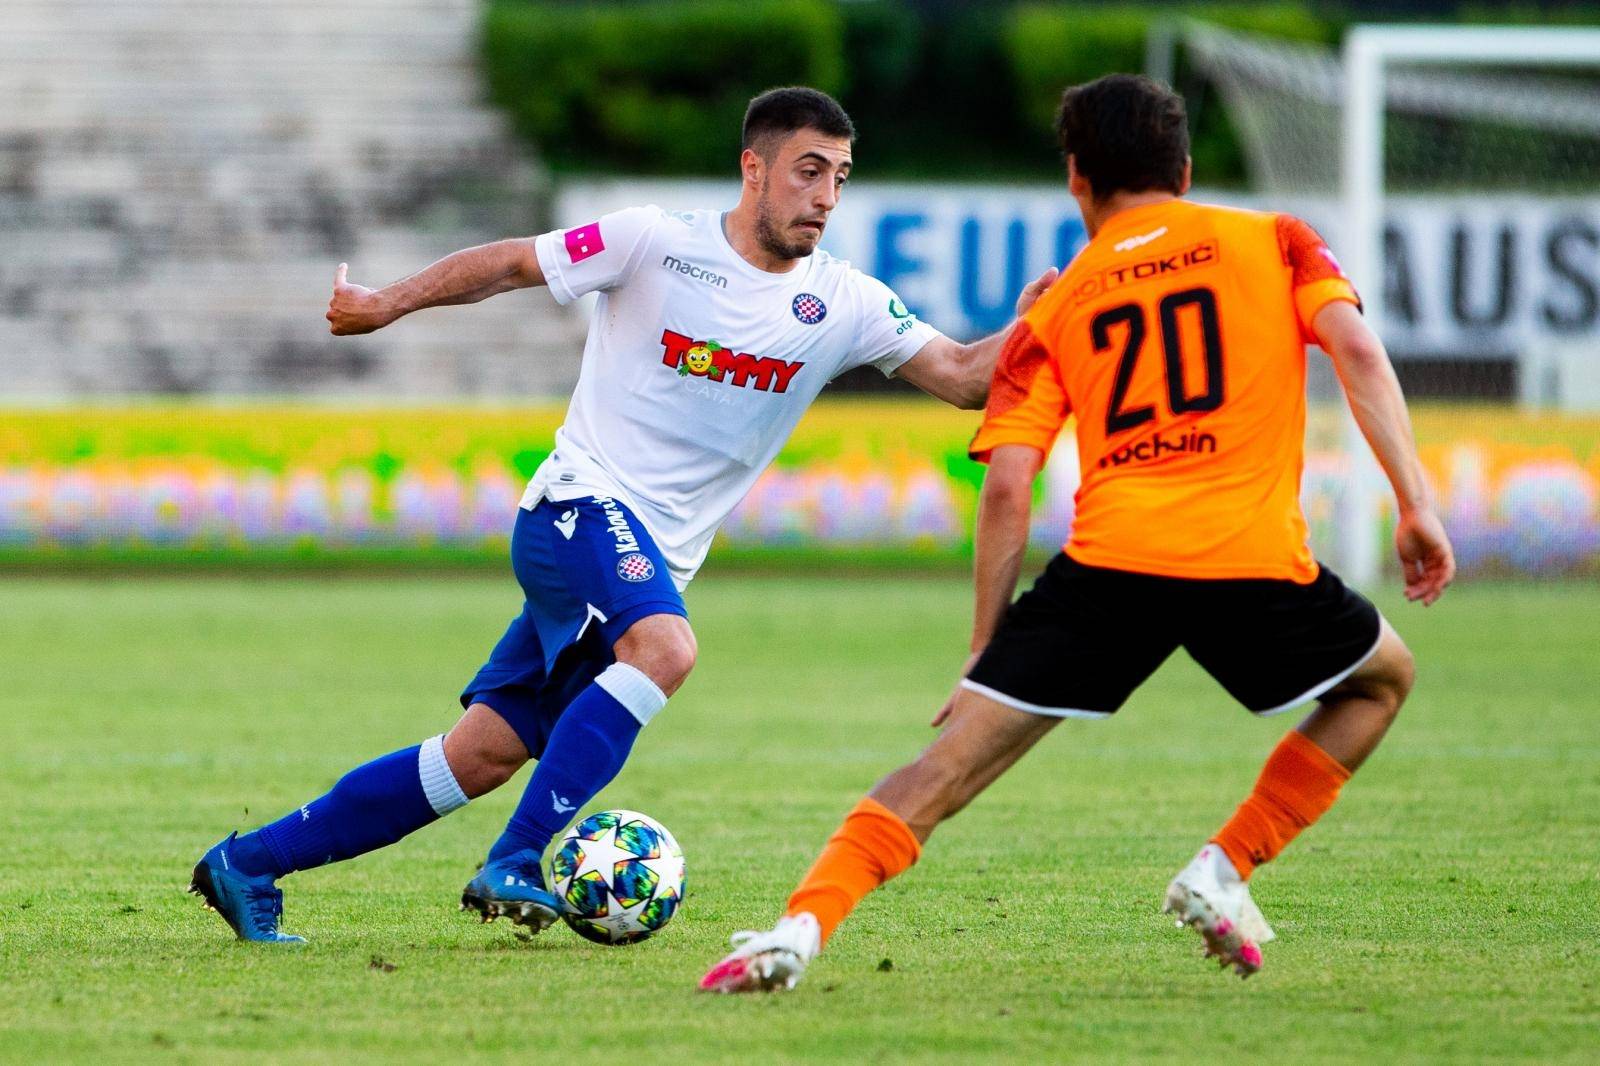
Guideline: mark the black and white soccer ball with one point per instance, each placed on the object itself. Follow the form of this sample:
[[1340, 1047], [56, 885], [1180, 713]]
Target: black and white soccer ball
[[619, 875]]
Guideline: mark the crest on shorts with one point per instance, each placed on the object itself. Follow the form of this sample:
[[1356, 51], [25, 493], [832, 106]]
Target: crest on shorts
[[636, 566], [809, 309]]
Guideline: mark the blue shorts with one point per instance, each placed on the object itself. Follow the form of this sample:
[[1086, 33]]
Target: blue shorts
[[589, 570]]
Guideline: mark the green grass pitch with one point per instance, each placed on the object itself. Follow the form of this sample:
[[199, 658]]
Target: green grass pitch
[[1445, 910]]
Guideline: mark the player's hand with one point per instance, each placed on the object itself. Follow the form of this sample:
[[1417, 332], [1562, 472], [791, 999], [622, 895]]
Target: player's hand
[[1035, 289], [950, 704], [354, 308], [1426, 558]]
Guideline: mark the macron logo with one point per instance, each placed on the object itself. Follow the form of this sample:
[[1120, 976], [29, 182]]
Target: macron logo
[[560, 803], [698, 273], [567, 523], [1142, 239]]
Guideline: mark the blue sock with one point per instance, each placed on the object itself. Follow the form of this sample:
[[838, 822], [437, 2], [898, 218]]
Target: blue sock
[[370, 807], [586, 749]]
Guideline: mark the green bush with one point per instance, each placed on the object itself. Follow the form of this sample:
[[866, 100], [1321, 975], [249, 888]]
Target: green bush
[[937, 91], [652, 88], [954, 89]]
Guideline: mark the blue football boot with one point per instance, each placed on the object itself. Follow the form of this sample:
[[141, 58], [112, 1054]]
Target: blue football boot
[[250, 905], [512, 887]]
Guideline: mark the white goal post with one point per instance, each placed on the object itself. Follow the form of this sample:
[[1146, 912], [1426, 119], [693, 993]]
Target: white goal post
[[1369, 53]]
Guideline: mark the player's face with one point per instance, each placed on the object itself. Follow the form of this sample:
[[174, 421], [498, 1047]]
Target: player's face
[[800, 187]]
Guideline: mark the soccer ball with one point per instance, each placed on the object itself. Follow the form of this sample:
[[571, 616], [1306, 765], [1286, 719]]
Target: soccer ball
[[620, 876]]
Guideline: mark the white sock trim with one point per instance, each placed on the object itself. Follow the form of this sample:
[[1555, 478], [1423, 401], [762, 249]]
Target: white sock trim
[[438, 783], [630, 687]]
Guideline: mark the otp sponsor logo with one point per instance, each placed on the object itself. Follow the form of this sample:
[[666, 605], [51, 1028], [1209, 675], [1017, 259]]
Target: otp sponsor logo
[[584, 242], [708, 359]]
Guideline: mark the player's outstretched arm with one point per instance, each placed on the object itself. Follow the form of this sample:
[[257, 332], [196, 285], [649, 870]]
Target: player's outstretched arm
[[463, 277], [959, 373], [999, 543], [1379, 407]]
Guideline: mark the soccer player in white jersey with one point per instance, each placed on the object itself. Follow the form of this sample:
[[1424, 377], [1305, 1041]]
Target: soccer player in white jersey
[[712, 334]]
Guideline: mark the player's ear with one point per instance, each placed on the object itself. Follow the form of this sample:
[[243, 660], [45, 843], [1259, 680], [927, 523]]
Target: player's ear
[[1077, 184], [751, 167], [1188, 175]]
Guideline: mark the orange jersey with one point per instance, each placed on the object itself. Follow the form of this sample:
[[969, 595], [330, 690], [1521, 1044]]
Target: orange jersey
[[1178, 338]]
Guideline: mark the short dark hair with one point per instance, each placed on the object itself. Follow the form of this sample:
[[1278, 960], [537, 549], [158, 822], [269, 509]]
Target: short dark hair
[[784, 111], [1127, 133]]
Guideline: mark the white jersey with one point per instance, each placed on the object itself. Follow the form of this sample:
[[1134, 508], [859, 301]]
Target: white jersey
[[698, 366]]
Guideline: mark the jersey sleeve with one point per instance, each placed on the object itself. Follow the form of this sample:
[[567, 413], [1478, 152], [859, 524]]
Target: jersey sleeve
[[887, 333], [1027, 403], [603, 254], [1315, 275]]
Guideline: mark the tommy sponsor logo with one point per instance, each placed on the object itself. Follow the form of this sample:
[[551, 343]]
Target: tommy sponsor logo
[[709, 359], [1196, 255], [567, 523], [1194, 442], [698, 273], [1138, 240], [617, 525], [584, 242], [636, 567]]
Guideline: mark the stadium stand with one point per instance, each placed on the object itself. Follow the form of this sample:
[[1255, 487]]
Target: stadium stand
[[179, 178]]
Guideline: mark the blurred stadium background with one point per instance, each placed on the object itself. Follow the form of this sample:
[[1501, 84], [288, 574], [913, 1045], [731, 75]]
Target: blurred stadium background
[[178, 179]]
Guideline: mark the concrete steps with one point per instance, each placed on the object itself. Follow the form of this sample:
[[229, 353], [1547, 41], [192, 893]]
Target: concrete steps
[[178, 179]]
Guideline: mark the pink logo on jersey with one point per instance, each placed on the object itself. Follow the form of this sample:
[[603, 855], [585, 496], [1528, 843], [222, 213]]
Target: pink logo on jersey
[[583, 242], [1327, 253]]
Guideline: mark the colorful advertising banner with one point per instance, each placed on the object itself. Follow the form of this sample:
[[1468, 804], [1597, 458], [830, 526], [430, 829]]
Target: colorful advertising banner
[[866, 480]]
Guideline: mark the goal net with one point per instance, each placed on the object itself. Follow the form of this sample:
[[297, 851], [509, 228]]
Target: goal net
[[1456, 171]]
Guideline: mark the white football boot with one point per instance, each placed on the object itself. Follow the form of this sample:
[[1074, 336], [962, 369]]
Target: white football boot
[[767, 962], [1210, 897]]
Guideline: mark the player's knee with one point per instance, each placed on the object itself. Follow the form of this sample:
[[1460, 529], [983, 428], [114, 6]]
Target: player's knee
[[1391, 682], [482, 770], [662, 647], [1403, 675], [491, 769], [482, 752], [1386, 681]]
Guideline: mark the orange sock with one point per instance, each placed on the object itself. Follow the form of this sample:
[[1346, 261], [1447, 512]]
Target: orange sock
[[1297, 786], [871, 846]]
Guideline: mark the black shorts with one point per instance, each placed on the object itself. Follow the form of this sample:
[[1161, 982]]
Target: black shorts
[[1083, 638]]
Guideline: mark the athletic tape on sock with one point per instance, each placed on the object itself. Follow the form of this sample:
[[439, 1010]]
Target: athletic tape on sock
[[631, 688], [438, 783]]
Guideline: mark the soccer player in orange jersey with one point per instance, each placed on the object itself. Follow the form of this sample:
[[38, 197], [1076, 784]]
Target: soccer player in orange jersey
[[1178, 339]]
